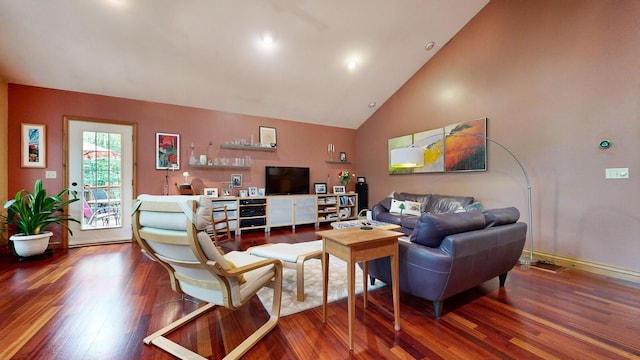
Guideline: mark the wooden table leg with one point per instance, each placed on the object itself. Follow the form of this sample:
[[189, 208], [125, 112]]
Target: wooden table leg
[[325, 284], [365, 283], [395, 281], [351, 284]]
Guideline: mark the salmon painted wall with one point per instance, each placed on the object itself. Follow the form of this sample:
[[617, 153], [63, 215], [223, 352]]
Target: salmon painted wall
[[299, 144], [554, 78]]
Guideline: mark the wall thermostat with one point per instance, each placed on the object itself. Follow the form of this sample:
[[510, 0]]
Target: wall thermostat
[[605, 144]]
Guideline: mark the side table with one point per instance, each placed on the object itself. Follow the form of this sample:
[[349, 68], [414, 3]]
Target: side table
[[354, 245]]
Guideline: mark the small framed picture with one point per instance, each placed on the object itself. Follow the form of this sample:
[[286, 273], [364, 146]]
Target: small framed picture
[[343, 156], [243, 193], [236, 180], [253, 191], [213, 192], [226, 192], [361, 179], [320, 188], [268, 136], [34, 146], [167, 151], [339, 190], [261, 192]]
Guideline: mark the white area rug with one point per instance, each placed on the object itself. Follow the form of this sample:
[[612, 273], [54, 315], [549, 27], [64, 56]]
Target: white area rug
[[313, 285]]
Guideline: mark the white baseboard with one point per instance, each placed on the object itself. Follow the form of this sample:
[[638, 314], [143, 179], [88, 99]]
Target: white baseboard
[[581, 264]]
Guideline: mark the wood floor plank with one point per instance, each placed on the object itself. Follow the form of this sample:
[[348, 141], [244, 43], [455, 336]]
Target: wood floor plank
[[99, 302]]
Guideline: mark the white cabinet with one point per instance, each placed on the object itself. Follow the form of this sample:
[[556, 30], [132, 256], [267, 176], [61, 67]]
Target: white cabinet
[[292, 210], [280, 211]]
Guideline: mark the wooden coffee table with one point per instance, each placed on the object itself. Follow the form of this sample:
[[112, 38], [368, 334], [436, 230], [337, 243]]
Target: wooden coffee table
[[354, 245]]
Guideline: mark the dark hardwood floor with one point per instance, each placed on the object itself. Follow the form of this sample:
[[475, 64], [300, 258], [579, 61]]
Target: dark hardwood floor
[[99, 302]]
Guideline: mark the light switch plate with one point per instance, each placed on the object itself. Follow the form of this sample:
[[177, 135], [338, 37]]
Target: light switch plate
[[616, 173], [50, 174]]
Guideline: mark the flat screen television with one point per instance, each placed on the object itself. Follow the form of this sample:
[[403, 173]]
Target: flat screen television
[[285, 180]]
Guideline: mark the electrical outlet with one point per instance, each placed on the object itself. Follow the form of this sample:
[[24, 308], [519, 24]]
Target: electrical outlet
[[50, 174], [616, 173]]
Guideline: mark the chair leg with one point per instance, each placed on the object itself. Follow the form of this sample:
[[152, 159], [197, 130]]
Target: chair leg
[[270, 324], [503, 279], [158, 339], [437, 309]]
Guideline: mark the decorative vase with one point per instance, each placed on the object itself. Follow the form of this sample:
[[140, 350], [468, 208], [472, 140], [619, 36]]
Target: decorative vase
[[30, 245]]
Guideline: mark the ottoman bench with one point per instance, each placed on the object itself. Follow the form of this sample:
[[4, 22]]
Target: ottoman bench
[[293, 256]]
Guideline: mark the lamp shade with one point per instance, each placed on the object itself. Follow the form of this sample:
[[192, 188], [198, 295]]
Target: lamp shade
[[407, 157]]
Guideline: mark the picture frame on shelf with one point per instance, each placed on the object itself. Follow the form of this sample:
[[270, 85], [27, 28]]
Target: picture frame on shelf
[[320, 188], [268, 136], [236, 180], [167, 151], [34, 146], [339, 189], [253, 191], [261, 192], [343, 156], [243, 193], [213, 192], [226, 192]]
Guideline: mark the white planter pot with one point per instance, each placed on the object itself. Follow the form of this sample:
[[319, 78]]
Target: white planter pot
[[30, 245]]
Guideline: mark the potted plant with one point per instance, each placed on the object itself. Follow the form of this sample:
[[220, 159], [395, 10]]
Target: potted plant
[[30, 214]]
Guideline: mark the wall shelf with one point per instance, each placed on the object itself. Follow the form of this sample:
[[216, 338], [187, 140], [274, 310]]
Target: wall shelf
[[337, 162], [241, 167], [248, 147]]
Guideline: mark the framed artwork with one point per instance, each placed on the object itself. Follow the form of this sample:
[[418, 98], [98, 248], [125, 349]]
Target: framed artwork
[[261, 192], [339, 189], [236, 180], [320, 188], [213, 192], [343, 156], [268, 136], [34, 146], [452, 148], [253, 191], [167, 151], [243, 193], [465, 146], [226, 192]]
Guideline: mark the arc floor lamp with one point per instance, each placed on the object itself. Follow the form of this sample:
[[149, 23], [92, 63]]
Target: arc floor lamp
[[412, 156]]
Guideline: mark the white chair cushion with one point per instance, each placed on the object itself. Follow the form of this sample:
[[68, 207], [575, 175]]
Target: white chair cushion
[[176, 222]]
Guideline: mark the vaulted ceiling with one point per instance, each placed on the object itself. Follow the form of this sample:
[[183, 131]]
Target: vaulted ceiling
[[212, 54]]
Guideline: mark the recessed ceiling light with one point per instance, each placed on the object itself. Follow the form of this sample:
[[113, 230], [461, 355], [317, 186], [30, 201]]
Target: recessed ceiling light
[[352, 64], [267, 39], [372, 104], [429, 45]]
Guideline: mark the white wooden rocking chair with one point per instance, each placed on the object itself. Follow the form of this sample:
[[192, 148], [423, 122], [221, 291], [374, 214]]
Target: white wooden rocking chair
[[171, 231]]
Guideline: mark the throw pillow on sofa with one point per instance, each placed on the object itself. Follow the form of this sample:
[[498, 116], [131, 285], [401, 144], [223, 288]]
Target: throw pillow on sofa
[[397, 207], [431, 229], [504, 216]]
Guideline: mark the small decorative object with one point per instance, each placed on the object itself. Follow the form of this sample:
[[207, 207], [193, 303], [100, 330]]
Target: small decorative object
[[343, 156], [339, 190], [186, 177], [167, 151], [331, 149], [268, 136], [213, 192], [30, 214], [236, 180], [320, 188], [344, 177], [203, 159], [253, 191], [34, 146], [243, 193], [192, 157], [261, 192], [361, 179], [226, 192]]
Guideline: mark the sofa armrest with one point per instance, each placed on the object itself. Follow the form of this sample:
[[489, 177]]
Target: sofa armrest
[[377, 209]]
